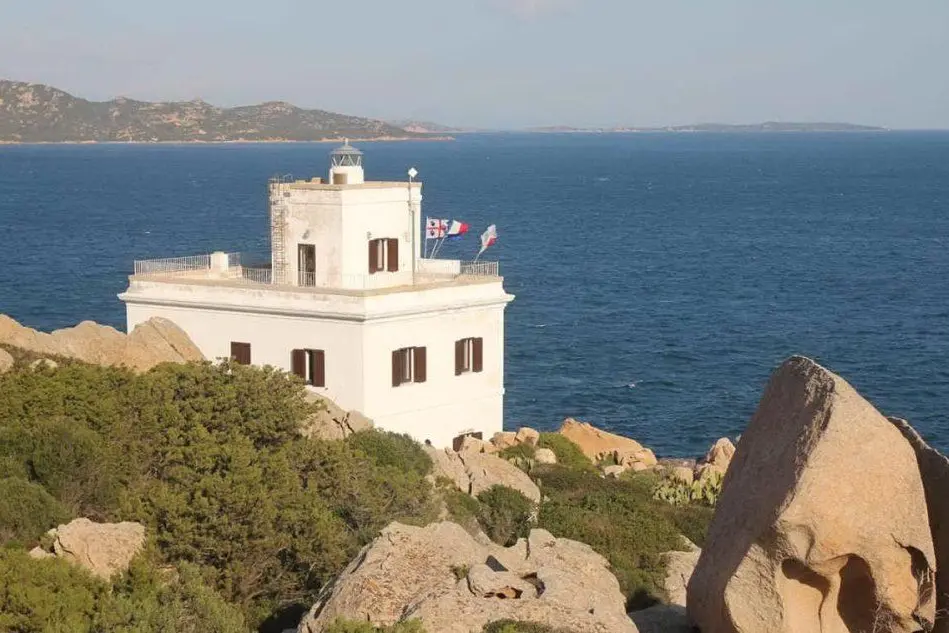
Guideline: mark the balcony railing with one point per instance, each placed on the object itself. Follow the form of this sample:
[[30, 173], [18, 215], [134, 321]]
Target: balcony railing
[[228, 266]]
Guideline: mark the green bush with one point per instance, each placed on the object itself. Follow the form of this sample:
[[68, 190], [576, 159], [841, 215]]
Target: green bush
[[568, 454], [617, 518], [392, 450], [27, 511], [678, 493], [505, 514], [352, 626]]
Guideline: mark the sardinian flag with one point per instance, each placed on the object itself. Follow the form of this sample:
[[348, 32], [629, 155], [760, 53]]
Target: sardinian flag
[[435, 228], [457, 229], [488, 238]]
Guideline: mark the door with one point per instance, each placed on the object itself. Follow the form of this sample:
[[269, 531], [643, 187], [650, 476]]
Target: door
[[306, 255]]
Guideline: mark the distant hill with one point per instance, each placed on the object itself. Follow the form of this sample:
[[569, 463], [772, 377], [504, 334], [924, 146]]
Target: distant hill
[[426, 127], [33, 113], [770, 126]]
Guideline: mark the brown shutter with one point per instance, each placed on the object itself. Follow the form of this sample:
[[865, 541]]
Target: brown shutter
[[240, 353], [397, 368], [372, 256], [477, 354], [298, 363], [318, 368], [393, 248], [459, 357], [420, 369]]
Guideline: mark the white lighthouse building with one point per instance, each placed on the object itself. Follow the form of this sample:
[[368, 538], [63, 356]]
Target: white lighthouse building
[[349, 304]]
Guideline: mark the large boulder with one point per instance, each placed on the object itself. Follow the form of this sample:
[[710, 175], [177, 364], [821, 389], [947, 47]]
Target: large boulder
[[331, 422], [717, 460], [474, 472], [442, 576], [598, 444], [822, 524], [679, 568], [6, 361], [155, 341], [934, 469], [104, 549]]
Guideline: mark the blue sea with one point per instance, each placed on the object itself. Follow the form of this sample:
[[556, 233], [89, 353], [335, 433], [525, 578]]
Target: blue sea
[[659, 277]]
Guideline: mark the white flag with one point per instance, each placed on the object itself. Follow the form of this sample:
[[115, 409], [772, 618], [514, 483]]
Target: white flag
[[488, 238]]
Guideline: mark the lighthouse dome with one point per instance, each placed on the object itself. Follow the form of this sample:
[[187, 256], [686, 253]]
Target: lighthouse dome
[[346, 165]]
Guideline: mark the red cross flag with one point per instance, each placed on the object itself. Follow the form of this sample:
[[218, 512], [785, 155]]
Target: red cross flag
[[488, 238]]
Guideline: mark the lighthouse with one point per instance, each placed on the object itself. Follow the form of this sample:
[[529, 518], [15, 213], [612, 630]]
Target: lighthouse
[[348, 304]]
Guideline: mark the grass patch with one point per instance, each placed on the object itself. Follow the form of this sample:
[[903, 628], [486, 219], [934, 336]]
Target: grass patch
[[568, 454]]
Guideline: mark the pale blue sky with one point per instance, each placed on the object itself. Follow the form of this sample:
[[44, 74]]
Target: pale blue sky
[[503, 63]]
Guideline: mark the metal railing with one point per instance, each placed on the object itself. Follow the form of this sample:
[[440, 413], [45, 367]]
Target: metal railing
[[306, 279], [171, 265], [257, 275], [479, 269]]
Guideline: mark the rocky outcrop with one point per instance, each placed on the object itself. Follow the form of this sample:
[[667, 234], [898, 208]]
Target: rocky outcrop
[[934, 470], [600, 445], [6, 361], [716, 461], [662, 618], [331, 422], [475, 472], [442, 576], [150, 343], [811, 532], [679, 569], [545, 456], [102, 548]]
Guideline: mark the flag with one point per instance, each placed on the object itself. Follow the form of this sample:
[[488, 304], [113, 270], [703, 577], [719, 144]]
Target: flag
[[488, 238], [435, 228], [457, 229]]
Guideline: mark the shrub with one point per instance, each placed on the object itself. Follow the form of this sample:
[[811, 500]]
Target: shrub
[[505, 514], [351, 626], [617, 518], [392, 450], [568, 454], [27, 511], [679, 493]]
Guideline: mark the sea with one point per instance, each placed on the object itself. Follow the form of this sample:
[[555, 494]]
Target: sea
[[659, 278]]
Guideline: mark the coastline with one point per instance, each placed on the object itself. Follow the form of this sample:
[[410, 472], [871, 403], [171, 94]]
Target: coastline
[[340, 139]]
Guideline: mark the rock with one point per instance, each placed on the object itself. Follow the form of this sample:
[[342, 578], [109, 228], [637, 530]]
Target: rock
[[811, 533], [614, 471], [638, 467], [716, 461], [331, 422], [476, 472], [453, 584], [6, 361], [545, 456], [102, 548], [39, 553], [662, 618], [679, 568], [934, 470], [155, 341], [598, 445], [470, 444], [680, 473], [504, 439], [527, 436], [43, 363]]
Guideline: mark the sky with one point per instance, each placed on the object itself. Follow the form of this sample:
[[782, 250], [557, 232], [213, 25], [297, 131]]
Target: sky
[[503, 63]]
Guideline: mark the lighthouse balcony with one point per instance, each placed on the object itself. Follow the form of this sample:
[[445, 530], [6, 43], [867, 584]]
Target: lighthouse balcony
[[231, 269]]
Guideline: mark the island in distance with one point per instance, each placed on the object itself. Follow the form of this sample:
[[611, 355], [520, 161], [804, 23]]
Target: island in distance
[[36, 113]]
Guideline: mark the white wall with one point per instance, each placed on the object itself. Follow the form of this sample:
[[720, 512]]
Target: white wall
[[271, 338]]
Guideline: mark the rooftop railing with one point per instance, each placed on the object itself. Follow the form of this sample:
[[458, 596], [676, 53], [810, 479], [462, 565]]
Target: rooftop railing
[[229, 266]]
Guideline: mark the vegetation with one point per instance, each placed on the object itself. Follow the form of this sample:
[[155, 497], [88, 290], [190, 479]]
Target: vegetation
[[505, 514], [511, 626], [211, 460], [621, 520], [568, 454], [679, 493], [350, 626]]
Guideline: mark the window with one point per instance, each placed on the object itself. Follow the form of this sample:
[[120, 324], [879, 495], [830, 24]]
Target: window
[[310, 365], [408, 365], [240, 353], [383, 255], [469, 355]]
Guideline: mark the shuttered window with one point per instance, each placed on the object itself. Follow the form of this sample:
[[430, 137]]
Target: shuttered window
[[409, 364], [240, 353], [383, 255], [310, 365], [469, 355]]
